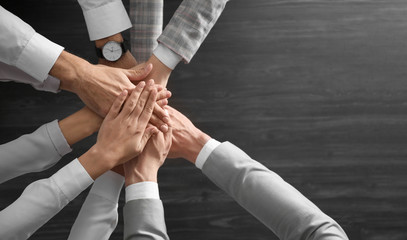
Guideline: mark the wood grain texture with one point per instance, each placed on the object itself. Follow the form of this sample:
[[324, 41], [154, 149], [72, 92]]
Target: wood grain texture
[[315, 90]]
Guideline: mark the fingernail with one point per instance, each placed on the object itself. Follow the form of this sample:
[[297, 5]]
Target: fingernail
[[148, 67], [164, 128], [142, 84], [166, 112], [151, 82], [124, 93], [166, 119]]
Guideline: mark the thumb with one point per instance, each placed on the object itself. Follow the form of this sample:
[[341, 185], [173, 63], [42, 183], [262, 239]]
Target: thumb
[[139, 72]]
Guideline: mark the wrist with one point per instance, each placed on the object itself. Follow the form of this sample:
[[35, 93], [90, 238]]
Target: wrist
[[69, 70], [160, 72], [95, 162], [196, 145], [141, 174], [116, 37]]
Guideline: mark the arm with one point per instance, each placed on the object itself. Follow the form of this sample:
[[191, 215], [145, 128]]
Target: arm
[[44, 198], [98, 216], [144, 212], [25, 49], [147, 21], [277, 204], [10, 73], [183, 36], [45, 147]]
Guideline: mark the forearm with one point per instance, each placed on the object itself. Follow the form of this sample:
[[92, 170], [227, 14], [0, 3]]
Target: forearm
[[98, 216], [41, 200], [69, 69], [277, 204], [12, 73], [104, 17], [41, 150], [147, 21], [190, 25], [80, 125], [25, 49], [144, 213]]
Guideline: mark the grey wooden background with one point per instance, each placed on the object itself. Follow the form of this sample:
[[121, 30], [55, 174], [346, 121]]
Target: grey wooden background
[[315, 90]]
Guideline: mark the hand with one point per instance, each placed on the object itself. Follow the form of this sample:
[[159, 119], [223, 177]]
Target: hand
[[160, 117], [123, 133], [145, 166], [187, 140], [96, 85]]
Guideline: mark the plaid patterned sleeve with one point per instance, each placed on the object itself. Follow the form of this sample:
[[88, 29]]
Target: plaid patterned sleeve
[[190, 25], [147, 20]]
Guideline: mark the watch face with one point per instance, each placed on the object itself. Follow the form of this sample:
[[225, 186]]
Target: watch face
[[112, 51]]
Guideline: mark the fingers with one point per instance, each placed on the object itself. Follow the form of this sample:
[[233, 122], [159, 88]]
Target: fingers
[[163, 94], [132, 100], [150, 131], [145, 115], [161, 114], [116, 106], [162, 126], [139, 72], [162, 103], [143, 99]]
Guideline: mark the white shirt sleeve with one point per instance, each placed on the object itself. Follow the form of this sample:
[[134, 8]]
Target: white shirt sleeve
[[205, 152], [104, 17], [33, 152], [167, 56], [41, 200], [22, 47], [98, 216], [10, 73], [142, 190]]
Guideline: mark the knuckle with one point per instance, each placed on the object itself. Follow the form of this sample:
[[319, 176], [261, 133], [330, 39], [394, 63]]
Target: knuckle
[[141, 103], [149, 109]]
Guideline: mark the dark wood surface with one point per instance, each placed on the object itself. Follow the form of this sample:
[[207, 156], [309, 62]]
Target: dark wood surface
[[315, 90]]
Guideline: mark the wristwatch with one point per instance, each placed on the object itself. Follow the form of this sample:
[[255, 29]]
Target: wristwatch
[[111, 51]]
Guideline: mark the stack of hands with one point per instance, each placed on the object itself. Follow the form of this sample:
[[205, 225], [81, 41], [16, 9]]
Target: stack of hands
[[139, 129]]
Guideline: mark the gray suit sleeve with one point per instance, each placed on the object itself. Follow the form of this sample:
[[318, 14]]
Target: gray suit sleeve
[[190, 25], [144, 220], [268, 197]]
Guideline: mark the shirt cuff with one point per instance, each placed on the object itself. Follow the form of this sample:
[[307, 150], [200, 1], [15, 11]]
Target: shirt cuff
[[167, 56], [38, 57], [51, 84], [72, 179], [108, 186], [205, 152], [142, 190], [106, 20], [57, 138]]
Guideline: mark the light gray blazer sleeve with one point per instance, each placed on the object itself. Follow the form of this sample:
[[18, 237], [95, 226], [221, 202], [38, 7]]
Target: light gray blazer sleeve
[[33, 152], [268, 197], [144, 220], [190, 25]]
